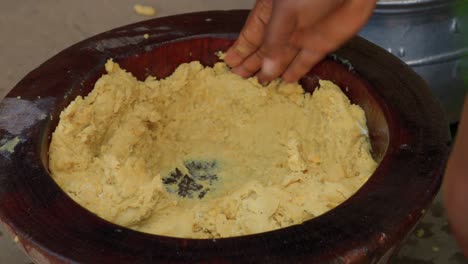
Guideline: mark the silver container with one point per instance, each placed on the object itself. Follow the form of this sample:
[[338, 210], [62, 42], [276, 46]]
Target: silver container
[[430, 36]]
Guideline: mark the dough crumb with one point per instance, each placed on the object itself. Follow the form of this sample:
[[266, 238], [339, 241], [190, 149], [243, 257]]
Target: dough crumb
[[146, 36], [144, 10], [221, 55]]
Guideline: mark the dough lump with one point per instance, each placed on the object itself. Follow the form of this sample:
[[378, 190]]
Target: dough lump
[[204, 153]]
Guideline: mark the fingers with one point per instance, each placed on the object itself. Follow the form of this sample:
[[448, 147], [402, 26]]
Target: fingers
[[329, 34], [251, 36], [258, 61], [281, 27], [277, 51], [250, 66], [287, 38], [284, 33], [301, 65]]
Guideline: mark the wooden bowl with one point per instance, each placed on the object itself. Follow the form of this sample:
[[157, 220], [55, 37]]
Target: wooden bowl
[[407, 129]]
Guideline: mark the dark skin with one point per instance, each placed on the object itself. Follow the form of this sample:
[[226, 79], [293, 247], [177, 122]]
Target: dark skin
[[285, 38], [455, 187]]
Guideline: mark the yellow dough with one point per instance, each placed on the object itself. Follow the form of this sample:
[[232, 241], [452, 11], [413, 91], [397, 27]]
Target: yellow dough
[[207, 154]]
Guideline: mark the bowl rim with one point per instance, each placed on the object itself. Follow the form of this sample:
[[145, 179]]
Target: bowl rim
[[418, 136]]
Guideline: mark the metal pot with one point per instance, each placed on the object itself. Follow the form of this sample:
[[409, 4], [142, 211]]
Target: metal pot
[[428, 36]]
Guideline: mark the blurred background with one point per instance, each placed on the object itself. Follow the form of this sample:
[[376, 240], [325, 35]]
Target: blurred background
[[428, 35]]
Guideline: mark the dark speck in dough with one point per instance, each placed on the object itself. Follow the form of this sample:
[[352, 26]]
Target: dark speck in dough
[[187, 186], [203, 171], [200, 179], [173, 177]]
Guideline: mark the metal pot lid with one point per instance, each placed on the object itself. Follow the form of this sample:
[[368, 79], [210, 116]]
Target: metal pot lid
[[410, 6], [409, 2]]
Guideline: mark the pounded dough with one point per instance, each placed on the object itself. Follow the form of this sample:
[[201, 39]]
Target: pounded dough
[[205, 153]]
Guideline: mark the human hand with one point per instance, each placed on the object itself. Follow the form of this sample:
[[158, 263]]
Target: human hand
[[287, 37], [455, 187]]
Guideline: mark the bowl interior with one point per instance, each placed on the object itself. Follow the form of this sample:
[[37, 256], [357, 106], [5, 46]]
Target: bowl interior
[[161, 61]]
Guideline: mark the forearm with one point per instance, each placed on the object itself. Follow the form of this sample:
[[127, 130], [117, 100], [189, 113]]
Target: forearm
[[456, 184]]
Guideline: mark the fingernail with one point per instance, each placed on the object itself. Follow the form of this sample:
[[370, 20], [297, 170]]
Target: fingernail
[[268, 67]]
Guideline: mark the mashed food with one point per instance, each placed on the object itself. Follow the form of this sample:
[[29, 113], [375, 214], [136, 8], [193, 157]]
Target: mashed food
[[206, 154]]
